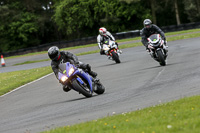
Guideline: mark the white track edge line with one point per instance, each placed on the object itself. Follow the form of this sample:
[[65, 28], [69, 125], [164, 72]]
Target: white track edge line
[[27, 84]]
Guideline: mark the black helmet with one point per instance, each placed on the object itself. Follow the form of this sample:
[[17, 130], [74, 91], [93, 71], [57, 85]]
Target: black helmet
[[54, 53], [147, 23]]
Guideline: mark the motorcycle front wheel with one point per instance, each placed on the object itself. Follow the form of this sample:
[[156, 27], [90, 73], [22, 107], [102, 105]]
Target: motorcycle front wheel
[[115, 57], [161, 58], [82, 89]]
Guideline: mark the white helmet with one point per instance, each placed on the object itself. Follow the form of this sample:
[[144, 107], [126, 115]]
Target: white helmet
[[102, 31]]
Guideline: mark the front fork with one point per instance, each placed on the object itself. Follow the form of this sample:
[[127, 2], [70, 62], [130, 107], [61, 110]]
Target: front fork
[[154, 55]]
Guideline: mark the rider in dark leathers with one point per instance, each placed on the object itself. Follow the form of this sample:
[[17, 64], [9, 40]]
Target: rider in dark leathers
[[150, 29], [59, 57]]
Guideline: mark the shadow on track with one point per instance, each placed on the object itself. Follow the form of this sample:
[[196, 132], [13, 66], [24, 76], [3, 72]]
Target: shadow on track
[[151, 67], [154, 67], [72, 100]]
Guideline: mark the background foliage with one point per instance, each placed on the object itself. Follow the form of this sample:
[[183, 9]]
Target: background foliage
[[28, 23]]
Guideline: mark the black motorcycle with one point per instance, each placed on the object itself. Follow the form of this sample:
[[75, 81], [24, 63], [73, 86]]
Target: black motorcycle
[[157, 49]]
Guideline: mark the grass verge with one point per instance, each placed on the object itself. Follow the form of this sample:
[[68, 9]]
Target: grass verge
[[181, 116], [11, 80], [29, 62]]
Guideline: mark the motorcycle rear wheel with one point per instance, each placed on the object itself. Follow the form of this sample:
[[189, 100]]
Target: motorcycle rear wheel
[[100, 89]]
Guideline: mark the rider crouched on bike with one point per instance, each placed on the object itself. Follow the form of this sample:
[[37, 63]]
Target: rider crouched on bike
[[103, 35], [58, 57], [150, 29]]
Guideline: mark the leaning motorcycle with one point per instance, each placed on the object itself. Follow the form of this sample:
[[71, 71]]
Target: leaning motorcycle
[[79, 80], [111, 50], [157, 49]]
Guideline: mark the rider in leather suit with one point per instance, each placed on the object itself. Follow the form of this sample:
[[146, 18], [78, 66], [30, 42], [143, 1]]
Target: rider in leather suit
[[103, 35], [57, 57], [150, 29]]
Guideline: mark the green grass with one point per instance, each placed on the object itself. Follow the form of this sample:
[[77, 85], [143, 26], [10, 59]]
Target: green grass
[[11, 80], [91, 45], [186, 36], [182, 32], [181, 116], [45, 52], [29, 62]]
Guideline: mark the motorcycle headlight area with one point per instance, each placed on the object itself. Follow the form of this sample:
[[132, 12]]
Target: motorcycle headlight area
[[64, 78], [71, 70]]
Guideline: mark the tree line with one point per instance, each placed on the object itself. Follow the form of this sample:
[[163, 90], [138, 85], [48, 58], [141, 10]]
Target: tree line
[[28, 23]]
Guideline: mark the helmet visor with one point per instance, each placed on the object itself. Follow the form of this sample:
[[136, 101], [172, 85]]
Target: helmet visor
[[148, 26], [54, 56]]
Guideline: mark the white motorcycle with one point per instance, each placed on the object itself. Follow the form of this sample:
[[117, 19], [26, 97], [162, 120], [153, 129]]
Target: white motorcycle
[[111, 50], [157, 49]]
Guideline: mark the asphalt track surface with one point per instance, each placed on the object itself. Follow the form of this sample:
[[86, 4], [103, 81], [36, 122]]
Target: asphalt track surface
[[136, 83]]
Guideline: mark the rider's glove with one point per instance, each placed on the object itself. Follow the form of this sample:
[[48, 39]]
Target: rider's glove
[[147, 49], [76, 63]]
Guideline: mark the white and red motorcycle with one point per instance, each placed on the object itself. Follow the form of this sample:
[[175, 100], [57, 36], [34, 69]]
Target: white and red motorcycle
[[111, 50]]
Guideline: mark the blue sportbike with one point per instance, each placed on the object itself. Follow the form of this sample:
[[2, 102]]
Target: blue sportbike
[[79, 80]]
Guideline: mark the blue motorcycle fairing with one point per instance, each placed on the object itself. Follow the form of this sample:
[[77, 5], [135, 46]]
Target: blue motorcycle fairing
[[83, 75], [60, 75], [78, 72], [80, 80]]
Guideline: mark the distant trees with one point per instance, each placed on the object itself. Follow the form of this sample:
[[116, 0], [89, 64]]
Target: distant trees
[[81, 18], [192, 9], [27, 23]]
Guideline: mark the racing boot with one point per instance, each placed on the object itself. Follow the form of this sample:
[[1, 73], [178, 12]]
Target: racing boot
[[92, 73], [109, 57], [165, 47], [119, 51], [165, 50]]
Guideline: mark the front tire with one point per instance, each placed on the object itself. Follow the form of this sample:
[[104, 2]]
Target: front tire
[[83, 90], [115, 57], [161, 58]]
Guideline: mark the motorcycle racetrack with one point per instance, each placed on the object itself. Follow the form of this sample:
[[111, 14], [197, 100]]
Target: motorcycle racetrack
[[137, 82]]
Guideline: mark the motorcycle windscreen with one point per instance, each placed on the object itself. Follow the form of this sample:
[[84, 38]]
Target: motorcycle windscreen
[[154, 38], [106, 41], [62, 67]]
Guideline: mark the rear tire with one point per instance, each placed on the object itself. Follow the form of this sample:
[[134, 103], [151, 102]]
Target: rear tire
[[161, 58], [115, 57], [82, 89], [100, 89]]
